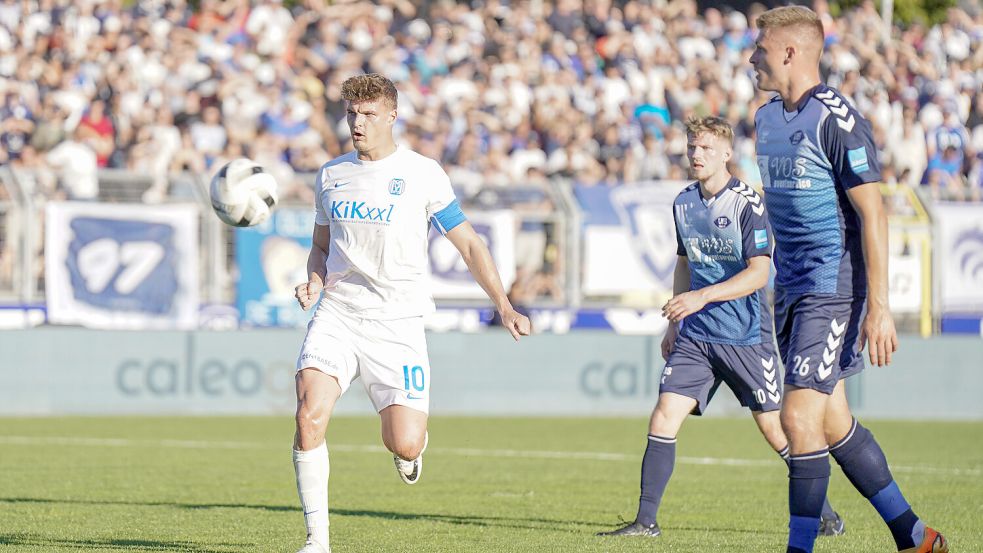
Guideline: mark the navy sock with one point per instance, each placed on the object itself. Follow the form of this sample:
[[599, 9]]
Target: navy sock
[[808, 478], [863, 462], [827, 508], [660, 457]]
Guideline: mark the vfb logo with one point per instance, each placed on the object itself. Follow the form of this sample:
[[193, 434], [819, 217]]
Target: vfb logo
[[653, 236], [722, 222]]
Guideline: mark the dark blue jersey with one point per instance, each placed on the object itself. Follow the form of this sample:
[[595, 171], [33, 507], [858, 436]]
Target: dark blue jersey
[[718, 236], [808, 160]]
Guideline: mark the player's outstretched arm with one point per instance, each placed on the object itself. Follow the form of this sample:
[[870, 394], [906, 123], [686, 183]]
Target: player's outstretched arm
[[479, 261], [878, 327], [746, 282], [307, 293]]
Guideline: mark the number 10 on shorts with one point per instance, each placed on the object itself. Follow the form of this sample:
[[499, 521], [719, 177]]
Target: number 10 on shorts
[[413, 375]]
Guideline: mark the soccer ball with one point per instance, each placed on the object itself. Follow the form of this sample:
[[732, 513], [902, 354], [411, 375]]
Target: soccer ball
[[243, 194]]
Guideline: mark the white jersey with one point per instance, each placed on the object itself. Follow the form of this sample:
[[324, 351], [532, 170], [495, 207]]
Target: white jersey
[[379, 214]]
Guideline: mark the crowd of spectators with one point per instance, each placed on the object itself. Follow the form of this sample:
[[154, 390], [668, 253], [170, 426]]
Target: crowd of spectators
[[501, 92]]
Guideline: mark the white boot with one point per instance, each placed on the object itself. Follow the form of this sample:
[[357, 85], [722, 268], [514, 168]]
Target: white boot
[[410, 471]]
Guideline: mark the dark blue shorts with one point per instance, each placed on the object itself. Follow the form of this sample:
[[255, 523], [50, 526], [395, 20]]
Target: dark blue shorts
[[818, 338], [695, 369]]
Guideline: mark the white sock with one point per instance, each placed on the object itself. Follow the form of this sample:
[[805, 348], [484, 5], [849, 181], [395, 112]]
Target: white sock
[[312, 469]]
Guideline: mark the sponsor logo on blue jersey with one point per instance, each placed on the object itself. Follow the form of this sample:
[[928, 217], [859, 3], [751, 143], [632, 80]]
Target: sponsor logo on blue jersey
[[707, 249], [722, 222], [760, 238], [858, 159], [797, 136], [353, 210]]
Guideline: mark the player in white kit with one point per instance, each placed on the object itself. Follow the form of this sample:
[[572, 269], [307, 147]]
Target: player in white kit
[[374, 207]]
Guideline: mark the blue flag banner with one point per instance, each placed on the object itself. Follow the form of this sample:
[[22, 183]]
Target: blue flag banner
[[122, 266]]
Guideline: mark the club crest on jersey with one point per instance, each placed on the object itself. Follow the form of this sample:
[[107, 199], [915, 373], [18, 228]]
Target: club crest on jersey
[[396, 186], [797, 136], [722, 222]]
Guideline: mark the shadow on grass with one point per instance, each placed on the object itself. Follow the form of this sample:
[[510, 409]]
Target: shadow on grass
[[519, 523], [281, 508], [472, 520], [466, 520], [120, 544]]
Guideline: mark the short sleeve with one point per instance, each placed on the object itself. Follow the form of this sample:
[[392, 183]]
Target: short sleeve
[[443, 209], [849, 145], [755, 232], [320, 215], [680, 248]]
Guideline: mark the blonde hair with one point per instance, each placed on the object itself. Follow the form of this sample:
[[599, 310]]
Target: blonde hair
[[366, 88], [710, 125], [798, 17]]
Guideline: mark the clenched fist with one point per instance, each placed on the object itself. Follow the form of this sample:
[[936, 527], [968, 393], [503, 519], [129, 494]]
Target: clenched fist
[[309, 292], [516, 323]]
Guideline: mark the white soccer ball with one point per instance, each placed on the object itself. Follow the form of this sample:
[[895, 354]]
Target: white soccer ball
[[243, 193]]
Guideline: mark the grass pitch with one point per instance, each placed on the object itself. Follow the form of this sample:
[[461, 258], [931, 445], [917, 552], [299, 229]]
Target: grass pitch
[[221, 485]]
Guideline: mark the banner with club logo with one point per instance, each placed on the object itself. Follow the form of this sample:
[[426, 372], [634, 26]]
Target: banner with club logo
[[629, 239], [122, 266], [450, 278], [272, 260], [959, 250]]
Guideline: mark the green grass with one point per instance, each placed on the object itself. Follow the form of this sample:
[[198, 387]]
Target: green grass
[[218, 485]]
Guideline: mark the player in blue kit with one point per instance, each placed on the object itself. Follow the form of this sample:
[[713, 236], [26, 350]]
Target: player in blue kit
[[724, 247], [821, 181]]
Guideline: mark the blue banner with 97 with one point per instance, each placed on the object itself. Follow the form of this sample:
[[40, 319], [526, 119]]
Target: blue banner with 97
[[122, 266]]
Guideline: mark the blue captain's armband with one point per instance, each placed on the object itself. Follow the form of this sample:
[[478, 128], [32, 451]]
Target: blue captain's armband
[[449, 217]]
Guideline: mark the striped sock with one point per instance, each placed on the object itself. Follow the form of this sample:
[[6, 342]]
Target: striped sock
[[828, 511]]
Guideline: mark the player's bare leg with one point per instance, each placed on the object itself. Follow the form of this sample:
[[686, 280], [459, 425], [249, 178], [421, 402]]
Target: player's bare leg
[[317, 394], [770, 425], [669, 414], [404, 432], [803, 414], [838, 419], [658, 462]]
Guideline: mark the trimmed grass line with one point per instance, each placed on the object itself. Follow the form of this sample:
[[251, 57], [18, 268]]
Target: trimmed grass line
[[456, 451]]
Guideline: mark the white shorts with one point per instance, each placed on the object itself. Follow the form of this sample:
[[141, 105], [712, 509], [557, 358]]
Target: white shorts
[[390, 356]]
